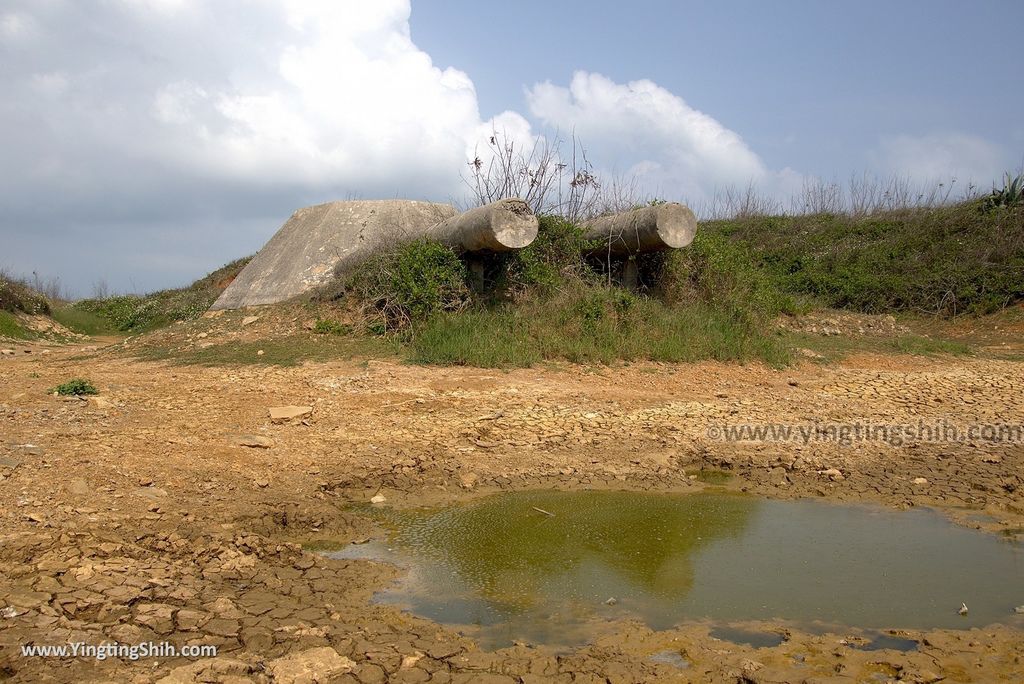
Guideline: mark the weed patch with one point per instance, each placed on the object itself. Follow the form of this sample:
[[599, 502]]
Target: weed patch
[[76, 387]]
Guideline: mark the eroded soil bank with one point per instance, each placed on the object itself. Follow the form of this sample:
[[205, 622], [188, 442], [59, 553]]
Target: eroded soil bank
[[140, 516]]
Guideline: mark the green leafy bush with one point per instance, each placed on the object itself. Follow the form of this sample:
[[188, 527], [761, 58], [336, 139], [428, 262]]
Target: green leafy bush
[[327, 326], [557, 254], [410, 283], [76, 387]]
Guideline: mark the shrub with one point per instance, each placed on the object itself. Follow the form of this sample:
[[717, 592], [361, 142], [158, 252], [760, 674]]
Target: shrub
[[1010, 195], [410, 282], [557, 254], [76, 387], [721, 273], [326, 326]]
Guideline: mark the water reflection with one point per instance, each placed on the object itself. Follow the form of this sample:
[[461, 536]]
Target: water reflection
[[542, 566]]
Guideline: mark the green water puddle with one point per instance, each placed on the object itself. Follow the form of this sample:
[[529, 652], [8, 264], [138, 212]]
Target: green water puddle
[[552, 567]]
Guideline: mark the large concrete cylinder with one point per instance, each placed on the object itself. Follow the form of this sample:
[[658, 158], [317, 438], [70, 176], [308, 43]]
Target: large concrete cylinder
[[648, 229], [497, 227]]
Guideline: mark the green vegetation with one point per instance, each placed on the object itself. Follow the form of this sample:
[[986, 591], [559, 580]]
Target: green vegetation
[[592, 325], [834, 348], [553, 301], [327, 326], [77, 387], [12, 328], [1010, 195], [82, 321], [284, 351], [947, 260], [134, 313], [398, 286], [17, 296]]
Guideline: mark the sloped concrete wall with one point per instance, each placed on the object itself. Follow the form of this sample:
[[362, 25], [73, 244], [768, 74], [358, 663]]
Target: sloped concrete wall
[[316, 240]]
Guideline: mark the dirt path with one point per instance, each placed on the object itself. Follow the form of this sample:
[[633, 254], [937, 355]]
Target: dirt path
[[140, 516]]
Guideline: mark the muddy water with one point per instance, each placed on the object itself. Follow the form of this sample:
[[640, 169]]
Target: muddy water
[[552, 567]]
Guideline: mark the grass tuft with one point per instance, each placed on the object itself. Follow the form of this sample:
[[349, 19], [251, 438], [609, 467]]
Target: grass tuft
[[76, 387]]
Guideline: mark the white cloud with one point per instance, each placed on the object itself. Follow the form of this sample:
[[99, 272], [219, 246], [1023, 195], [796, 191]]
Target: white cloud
[[940, 157], [642, 129], [176, 115], [17, 26]]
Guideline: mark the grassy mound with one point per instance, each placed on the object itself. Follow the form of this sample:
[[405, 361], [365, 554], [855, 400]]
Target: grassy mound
[[134, 313], [553, 300], [967, 258]]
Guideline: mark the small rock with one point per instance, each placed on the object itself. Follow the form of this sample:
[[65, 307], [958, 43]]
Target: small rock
[[203, 335], [1019, 610], [255, 442], [9, 612], [611, 601], [78, 487], [261, 483], [920, 480], [793, 383], [468, 480], [833, 474], [280, 414], [259, 352], [963, 609], [377, 499], [315, 666], [249, 320]]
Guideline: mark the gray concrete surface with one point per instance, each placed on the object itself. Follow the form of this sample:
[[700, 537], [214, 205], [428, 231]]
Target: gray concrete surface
[[320, 241], [496, 227], [648, 229], [316, 240]]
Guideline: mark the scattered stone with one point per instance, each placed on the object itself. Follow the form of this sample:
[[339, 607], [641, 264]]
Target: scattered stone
[[315, 666], [1019, 610], [255, 442], [9, 612], [190, 620], [611, 601], [920, 480], [209, 670], [468, 480], [280, 414], [833, 474], [378, 499], [7, 352], [249, 320], [100, 403], [203, 335], [78, 487]]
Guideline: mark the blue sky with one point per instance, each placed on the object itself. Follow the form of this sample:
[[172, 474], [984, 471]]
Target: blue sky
[[814, 85], [147, 142]]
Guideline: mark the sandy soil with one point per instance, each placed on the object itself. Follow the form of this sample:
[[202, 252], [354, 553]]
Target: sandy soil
[[140, 515]]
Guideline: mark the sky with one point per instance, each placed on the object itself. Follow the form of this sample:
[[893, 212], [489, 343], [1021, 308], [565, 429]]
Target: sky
[[147, 142]]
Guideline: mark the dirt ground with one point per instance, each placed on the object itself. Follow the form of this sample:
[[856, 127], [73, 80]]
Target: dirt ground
[[172, 508]]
